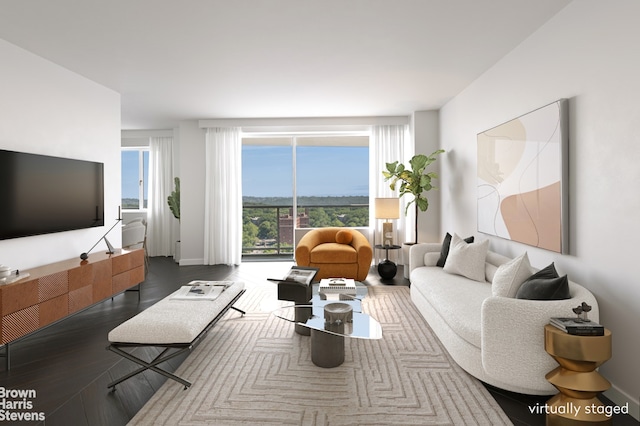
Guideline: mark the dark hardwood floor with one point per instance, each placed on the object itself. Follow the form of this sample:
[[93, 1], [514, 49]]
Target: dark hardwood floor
[[68, 366]]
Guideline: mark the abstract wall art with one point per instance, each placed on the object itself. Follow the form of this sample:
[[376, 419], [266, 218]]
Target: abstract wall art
[[523, 179]]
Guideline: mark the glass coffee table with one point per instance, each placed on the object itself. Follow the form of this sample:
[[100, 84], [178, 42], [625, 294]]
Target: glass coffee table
[[330, 317]]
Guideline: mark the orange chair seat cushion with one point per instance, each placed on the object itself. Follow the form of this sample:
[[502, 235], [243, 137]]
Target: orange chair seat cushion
[[333, 253], [337, 270]]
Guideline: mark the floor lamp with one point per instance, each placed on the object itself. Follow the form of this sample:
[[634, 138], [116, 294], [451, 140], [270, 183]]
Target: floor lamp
[[387, 208]]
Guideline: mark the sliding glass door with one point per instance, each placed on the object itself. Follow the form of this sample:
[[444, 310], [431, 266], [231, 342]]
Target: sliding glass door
[[332, 181], [326, 175], [267, 196]]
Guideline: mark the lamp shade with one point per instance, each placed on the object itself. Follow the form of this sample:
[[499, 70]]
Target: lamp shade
[[387, 208]]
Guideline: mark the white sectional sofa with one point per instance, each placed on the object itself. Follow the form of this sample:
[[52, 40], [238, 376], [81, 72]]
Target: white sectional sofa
[[498, 339]]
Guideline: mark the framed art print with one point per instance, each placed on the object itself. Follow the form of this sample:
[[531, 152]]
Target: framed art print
[[523, 179]]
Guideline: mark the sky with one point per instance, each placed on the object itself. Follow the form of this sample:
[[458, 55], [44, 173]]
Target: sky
[[322, 171], [130, 175], [267, 171]]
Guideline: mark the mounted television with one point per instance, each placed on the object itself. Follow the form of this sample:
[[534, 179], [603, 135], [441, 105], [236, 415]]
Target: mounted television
[[40, 194]]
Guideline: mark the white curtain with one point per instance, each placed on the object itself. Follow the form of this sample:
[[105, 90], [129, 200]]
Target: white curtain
[[161, 225], [389, 144], [223, 197]]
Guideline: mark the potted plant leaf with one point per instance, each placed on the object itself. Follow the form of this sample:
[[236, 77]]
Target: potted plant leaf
[[414, 180], [174, 205]]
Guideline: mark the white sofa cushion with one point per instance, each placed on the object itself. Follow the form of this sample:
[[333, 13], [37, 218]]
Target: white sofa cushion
[[457, 299], [431, 259], [467, 259], [510, 276]]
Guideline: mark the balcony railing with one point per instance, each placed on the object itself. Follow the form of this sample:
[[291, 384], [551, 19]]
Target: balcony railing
[[268, 230]]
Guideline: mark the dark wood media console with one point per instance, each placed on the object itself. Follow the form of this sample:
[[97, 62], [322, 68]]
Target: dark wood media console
[[53, 292]]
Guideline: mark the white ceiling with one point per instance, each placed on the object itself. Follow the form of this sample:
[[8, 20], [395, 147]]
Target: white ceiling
[[173, 60]]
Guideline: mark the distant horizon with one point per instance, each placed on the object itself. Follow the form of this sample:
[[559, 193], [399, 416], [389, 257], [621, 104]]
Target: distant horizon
[[306, 201], [308, 196], [289, 197], [329, 171], [127, 201]]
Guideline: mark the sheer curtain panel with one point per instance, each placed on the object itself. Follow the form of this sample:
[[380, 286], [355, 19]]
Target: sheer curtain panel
[[161, 225], [223, 197], [388, 144]]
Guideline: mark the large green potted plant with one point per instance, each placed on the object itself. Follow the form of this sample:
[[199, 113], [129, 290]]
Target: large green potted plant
[[174, 199], [414, 180], [174, 204]]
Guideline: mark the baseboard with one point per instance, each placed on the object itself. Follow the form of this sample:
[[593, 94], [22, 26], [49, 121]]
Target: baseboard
[[191, 262], [621, 399]]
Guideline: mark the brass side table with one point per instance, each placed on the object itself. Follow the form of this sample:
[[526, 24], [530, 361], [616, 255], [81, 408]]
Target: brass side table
[[576, 377]]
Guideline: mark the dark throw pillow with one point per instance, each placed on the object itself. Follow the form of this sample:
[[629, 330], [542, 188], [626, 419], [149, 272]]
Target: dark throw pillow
[[444, 251], [548, 272], [545, 285]]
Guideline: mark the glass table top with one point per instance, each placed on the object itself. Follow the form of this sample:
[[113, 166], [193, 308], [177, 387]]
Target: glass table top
[[358, 325]]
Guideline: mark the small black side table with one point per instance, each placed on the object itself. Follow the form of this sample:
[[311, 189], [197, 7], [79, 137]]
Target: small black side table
[[387, 269]]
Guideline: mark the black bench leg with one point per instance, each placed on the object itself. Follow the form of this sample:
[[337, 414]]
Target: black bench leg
[[149, 366], [239, 310]]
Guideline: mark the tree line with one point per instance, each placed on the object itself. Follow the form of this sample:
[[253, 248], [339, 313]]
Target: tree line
[[260, 223]]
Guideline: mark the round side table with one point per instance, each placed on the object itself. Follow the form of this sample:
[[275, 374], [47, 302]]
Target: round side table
[[576, 377], [387, 269]]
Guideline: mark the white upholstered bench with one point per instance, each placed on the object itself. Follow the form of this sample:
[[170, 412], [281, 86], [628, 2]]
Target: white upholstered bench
[[174, 324]]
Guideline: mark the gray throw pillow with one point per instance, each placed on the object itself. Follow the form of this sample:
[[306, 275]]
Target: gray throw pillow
[[545, 285]]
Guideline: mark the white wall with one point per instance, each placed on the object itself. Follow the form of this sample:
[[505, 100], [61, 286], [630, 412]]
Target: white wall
[[426, 136], [192, 150], [588, 54], [46, 109]]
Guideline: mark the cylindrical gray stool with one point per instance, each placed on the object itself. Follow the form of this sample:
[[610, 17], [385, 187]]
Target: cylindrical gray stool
[[327, 349]]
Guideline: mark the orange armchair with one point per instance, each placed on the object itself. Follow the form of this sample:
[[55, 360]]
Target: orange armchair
[[337, 252]]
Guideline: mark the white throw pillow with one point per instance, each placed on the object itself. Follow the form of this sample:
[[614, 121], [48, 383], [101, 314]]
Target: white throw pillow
[[467, 259], [431, 258], [489, 271], [510, 276]]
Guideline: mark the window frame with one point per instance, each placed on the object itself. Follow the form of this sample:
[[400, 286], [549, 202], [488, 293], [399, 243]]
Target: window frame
[[294, 142], [142, 179], [300, 139]]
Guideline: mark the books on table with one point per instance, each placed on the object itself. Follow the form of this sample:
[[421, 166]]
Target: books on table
[[298, 275], [201, 290], [338, 286], [577, 326]]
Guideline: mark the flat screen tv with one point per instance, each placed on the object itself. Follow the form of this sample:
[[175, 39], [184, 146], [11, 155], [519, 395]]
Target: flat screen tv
[[40, 194]]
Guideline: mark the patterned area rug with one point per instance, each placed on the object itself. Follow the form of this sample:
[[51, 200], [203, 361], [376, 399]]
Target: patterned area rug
[[255, 370]]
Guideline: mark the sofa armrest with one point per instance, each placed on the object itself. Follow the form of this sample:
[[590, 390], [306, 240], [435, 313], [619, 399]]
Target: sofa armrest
[[365, 254], [513, 335], [417, 252], [304, 247], [361, 243]]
